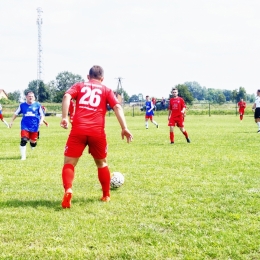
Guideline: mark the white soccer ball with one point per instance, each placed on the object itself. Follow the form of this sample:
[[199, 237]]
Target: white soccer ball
[[117, 180]]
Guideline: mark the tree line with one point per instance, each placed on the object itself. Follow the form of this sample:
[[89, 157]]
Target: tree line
[[53, 91]]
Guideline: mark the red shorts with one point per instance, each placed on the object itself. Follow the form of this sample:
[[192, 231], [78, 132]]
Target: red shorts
[[76, 144], [149, 117], [176, 121], [1, 116], [241, 111], [29, 135]]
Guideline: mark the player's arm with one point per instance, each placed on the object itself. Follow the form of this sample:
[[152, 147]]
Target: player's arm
[[41, 115], [65, 110], [253, 107], [121, 119], [183, 108], [16, 113]]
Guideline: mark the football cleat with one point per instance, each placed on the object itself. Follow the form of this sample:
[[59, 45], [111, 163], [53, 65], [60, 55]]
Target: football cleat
[[188, 140], [157, 126], [66, 202], [105, 199], [172, 143]]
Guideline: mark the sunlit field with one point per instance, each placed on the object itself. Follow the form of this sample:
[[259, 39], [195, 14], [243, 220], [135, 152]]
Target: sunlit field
[[183, 201]]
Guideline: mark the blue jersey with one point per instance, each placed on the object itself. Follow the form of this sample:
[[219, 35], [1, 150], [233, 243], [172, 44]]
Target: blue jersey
[[32, 114], [149, 108]]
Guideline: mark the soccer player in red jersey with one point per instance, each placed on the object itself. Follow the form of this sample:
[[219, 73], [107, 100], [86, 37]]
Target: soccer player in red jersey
[[88, 126], [241, 105], [176, 109]]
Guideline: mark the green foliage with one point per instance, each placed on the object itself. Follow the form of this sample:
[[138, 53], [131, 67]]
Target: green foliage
[[14, 96], [238, 94], [5, 101], [126, 96], [41, 91], [184, 93], [221, 99], [191, 201], [64, 81]]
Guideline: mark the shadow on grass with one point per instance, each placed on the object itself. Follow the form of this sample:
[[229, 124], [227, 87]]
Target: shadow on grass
[[56, 204], [11, 158]]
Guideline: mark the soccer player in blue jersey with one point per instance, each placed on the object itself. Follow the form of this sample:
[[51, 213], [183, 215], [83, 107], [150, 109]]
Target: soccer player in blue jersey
[[33, 117], [149, 112]]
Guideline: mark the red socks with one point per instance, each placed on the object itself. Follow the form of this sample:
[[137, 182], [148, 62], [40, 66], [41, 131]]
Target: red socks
[[67, 175], [171, 136], [185, 134], [104, 178]]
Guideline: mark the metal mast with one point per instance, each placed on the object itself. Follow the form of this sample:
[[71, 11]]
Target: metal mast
[[39, 56]]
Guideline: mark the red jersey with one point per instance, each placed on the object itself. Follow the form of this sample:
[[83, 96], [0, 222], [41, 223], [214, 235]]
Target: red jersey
[[91, 105], [241, 105], [175, 106]]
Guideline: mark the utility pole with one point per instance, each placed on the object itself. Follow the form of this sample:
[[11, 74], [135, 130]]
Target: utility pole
[[39, 56]]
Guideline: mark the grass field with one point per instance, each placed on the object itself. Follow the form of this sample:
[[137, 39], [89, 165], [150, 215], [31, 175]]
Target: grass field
[[181, 201]]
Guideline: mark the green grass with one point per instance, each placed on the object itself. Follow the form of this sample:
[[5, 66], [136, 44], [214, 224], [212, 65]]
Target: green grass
[[181, 201]]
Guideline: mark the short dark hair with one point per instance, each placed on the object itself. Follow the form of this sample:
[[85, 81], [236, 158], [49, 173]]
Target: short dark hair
[[258, 90], [174, 89], [96, 72], [29, 92]]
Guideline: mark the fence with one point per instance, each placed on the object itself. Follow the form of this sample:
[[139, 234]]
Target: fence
[[134, 110], [195, 109]]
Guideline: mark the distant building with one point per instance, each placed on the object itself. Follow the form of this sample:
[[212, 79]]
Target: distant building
[[3, 94]]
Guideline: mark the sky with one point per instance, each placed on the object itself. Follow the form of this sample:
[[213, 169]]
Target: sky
[[153, 45]]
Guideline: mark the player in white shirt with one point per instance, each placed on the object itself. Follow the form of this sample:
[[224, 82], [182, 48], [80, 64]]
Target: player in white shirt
[[256, 108]]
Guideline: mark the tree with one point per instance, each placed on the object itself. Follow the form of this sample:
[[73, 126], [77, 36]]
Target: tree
[[238, 94], [14, 96], [196, 90], [221, 99], [133, 98], [125, 95], [241, 94], [43, 93], [185, 93], [64, 81], [39, 89], [32, 86]]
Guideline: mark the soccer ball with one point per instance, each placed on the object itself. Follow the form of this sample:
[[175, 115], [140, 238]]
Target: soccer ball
[[117, 180]]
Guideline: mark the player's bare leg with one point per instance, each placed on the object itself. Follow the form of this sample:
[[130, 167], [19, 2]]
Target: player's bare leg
[[5, 123], [146, 123], [154, 122]]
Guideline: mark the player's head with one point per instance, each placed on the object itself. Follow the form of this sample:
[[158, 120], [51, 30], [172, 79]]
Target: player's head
[[30, 97], [96, 72], [147, 97], [175, 92], [258, 92]]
